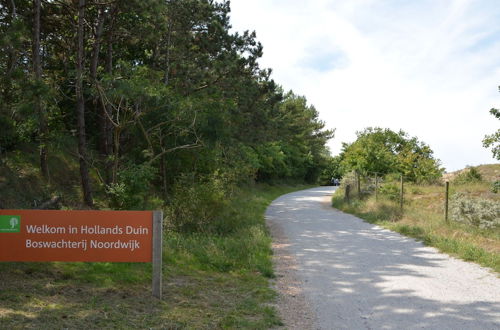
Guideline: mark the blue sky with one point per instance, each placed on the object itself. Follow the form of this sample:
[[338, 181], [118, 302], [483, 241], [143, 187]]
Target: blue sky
[[429, 67]]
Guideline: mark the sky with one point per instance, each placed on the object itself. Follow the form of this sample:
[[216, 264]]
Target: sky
[[428, 67]]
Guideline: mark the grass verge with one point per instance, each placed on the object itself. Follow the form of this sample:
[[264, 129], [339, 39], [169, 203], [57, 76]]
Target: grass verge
[[210, 282], [423, 219]]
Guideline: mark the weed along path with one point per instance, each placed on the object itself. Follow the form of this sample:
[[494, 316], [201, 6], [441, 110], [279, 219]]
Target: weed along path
[[355, 275]]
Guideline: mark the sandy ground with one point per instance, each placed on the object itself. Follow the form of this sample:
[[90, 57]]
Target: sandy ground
[[292, 306], [335, 271]]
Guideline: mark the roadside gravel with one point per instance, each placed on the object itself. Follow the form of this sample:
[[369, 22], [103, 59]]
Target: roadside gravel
[[336, 271], [292, 306]]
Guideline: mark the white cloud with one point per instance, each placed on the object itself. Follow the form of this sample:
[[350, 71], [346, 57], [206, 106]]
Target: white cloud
[[428, 67]]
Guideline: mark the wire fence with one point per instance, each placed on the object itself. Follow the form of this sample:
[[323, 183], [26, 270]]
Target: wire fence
[[473, 203]]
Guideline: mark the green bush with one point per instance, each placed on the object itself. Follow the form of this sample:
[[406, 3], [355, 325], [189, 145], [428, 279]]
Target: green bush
[[479, 212], [132, 189], [469, 175], [196, 205], [390, 190], [495, 187]]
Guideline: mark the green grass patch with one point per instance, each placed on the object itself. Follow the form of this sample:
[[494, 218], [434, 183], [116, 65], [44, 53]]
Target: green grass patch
[[210, 282]]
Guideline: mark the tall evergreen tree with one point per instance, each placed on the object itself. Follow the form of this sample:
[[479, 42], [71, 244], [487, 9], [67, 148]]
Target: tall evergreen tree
[[40, 109], [80, 106]]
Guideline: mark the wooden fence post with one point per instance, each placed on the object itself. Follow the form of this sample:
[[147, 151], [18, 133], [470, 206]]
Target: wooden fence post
[[446, 196], [376, 187], [157, 252], [401, 197], [358, 182], [347, 192]]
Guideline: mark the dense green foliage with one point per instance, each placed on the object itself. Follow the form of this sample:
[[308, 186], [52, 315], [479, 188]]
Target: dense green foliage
[[495, 187], [383, 151], [493, 140], [159, 96]]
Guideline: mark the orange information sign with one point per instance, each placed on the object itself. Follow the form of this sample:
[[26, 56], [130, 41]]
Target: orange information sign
[[43, 235]]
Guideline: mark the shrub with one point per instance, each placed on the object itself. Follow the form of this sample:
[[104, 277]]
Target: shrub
[[479, 212], [132, 189], [469, 175], [495, 187], [390, 190], [196, 205], [349, 178]]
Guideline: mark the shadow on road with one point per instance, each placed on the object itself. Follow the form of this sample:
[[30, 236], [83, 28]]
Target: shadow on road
[[358, 275]]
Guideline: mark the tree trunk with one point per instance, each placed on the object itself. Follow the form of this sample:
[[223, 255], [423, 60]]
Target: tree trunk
[[163, 170], [99, 103], [116, 155], [11, 65], [80, 109], [105, 127], [105, 142], [97, 44], [167, 65], [40, 109]]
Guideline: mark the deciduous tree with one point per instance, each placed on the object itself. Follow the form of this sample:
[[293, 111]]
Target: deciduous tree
[[493, 140]]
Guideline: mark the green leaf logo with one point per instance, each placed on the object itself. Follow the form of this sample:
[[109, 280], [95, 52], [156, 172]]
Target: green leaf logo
[[10, 224]]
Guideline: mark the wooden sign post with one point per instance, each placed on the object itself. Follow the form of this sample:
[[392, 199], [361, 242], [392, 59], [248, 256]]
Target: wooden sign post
[[91, 236], [446, 198], [157, 252]]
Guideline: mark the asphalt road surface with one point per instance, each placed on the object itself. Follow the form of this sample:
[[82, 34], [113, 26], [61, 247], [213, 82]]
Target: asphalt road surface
[[356, 275]]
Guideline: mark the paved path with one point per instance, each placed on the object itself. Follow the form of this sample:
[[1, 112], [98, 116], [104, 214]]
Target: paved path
[[357, 275]]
